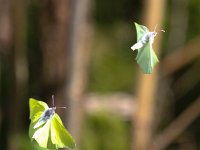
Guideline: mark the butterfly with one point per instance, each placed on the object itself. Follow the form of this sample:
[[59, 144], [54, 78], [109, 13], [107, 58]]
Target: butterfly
[[46, 128], [146, 57]]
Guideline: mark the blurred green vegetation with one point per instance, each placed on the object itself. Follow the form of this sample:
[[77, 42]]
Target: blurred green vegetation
[[24, 143], [112, 67], [103, 130], [107, 13], [193, 19]]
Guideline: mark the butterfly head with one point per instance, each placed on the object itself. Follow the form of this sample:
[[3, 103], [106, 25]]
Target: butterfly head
[[154, 33], [50, 112]]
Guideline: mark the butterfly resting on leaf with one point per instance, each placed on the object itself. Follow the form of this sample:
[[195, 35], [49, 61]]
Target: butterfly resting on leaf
[[146, 56], [46, 128]]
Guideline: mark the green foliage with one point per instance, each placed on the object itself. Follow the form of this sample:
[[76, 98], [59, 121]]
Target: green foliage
[[194, 22], [104, 131], [23, 143], [47, 133], [111, 65], [109, 12], [146, 56]]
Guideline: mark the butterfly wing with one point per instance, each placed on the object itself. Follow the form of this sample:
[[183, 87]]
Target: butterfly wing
[[147, 58], [41, 135], [36, 109], [141, 31], [52, 133], [60, 137]]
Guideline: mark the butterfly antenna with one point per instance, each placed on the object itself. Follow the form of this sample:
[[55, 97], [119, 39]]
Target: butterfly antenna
[[159, 30], [155, 27], [53, 100], [61, 107]]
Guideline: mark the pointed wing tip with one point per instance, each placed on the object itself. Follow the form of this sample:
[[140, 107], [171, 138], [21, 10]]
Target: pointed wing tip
[[150, 71], [146, 70], [32, 100], [136, 23], [73, 146]]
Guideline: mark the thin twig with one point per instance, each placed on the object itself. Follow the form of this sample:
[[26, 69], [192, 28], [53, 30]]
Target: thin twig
[[181, 57]]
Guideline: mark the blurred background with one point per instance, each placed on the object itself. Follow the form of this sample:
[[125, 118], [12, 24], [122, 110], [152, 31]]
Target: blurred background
[[79, 51]]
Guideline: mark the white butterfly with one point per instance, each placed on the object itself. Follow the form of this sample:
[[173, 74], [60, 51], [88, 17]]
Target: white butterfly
[[147, 37], [146, 57]]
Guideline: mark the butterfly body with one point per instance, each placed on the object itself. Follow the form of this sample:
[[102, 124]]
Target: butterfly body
[[46, 128], [148, 37], [46, 115]]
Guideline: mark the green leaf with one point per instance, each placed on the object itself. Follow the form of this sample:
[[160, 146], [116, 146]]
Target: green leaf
[[51, 133], [146, 57]]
